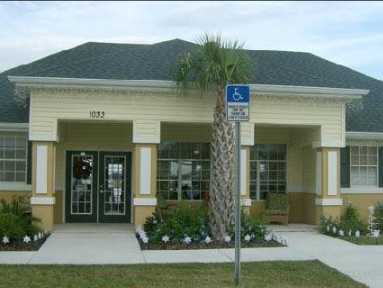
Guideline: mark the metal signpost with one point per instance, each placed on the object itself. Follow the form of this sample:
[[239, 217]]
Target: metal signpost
[[237, 110]]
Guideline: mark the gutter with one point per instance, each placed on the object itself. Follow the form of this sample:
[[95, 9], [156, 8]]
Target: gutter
[[364, 135], [260, 89], [13, 127]]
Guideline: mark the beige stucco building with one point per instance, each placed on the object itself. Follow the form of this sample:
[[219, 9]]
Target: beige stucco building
[[103, 149]]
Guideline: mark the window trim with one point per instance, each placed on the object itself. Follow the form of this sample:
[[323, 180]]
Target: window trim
[[368, 187], [6, 184], [258, 182]]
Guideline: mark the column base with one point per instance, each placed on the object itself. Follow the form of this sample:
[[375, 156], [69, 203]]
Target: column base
[[334, 212], [141, 213], [45, 213]]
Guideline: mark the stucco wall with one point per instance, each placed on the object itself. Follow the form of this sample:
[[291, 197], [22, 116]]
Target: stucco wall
[[362, 201]]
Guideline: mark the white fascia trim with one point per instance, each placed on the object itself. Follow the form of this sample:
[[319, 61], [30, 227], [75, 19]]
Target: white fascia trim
[[246, 202], [261, 89], [14, 127], [145, 201], [364, 135], [329, 201], [46, 200], [362, 190], [15, 187]]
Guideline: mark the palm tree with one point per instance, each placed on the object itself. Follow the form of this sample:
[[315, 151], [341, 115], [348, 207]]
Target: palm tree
[[210, 67]]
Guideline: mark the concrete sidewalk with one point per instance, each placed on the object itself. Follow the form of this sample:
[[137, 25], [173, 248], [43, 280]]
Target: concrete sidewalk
[[116, 244]]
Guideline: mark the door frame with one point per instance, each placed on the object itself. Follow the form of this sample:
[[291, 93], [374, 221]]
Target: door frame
[[128, 164], [68, 218]]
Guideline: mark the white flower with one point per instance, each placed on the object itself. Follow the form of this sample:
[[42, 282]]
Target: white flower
[[207, 240], [227, 238], [350, 233], [252, 236], [357, 234], [334, 230], [268, 237], [27, 239], [41, 235], [35, 237], [165, 238], [247, 238], [5, 240], [341, 233], [375, 233], [187, 240], [155, 221], [145, 240], [328, 228]]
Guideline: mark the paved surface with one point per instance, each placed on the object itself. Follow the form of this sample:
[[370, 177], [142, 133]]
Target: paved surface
[[116, 244]]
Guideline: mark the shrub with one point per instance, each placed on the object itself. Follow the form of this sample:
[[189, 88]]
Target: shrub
[[350, 220], [15, 219], [253, 226], [378, 214], [177, 223]]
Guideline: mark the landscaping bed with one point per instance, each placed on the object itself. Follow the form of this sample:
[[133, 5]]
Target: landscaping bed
[[18, 231], [187, 227], [364, 240], [20, 245], [276, 274], [202, 245]]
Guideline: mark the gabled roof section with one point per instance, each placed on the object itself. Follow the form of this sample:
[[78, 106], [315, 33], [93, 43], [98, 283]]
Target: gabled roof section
[[158, 62]]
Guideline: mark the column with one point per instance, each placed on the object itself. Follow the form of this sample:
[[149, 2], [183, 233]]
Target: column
[[328, 199], [146, 136], [247, 141], [43, 183]]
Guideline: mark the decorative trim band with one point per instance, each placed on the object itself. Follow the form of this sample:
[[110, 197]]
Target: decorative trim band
[[246, 202], [145, 201], [329, 201], [46, 200]]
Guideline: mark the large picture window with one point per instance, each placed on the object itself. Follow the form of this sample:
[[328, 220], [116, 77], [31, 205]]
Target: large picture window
[[183, 171], [364, 165], [13, 158], [267, 170]]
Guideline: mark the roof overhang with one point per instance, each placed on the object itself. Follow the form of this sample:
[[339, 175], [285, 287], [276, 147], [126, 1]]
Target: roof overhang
[[259, 89], [364, 136]]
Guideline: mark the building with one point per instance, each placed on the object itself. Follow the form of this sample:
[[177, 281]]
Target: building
[[96, 132]]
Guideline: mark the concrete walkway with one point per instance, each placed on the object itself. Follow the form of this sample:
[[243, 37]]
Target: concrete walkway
[[116, 244]]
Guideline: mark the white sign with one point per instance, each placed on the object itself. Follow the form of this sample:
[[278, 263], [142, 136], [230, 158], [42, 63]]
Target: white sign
[[237, 102]]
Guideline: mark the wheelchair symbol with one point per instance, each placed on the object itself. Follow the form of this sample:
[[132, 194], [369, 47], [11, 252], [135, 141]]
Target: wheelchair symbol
[[237, 96]]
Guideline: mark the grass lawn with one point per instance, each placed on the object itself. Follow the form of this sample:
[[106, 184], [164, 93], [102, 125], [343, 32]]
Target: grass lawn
[[260, 274], [364, 240]]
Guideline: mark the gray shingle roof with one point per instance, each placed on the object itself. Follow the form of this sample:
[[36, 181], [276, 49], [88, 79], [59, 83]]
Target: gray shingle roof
[[157, 62]]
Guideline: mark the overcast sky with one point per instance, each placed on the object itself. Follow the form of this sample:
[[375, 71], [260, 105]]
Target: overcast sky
[[348, 33]]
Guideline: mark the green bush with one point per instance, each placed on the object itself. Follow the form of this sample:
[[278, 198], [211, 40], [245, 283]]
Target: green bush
[[177, 223], [350, 221], [15, 219], [378, 214], [254, 226]]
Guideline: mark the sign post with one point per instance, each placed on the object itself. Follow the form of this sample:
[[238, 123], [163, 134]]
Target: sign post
[[237, 110]]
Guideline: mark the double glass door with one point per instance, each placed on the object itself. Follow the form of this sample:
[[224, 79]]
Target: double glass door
[[98, 186]]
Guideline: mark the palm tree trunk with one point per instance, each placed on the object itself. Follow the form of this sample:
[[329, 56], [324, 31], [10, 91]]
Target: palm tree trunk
[[221, 200]]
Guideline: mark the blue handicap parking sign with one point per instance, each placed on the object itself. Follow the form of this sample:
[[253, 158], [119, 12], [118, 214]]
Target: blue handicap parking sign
[[237, 93], [237, 102]]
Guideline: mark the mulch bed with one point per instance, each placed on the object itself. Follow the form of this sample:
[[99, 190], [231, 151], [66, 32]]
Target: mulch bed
[[212, 245], [21, 246]]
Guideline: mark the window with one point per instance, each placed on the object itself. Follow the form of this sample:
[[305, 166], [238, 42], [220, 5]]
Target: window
[[267, 170], [364, 165], [183, 171], [13, 158]]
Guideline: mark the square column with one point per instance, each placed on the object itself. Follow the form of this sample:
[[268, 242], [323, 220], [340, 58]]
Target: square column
[[245, 178], [146, 137], [328, 201], [43, 183], [144, 182]]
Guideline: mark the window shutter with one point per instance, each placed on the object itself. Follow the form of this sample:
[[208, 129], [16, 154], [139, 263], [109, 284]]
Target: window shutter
[[29, 163], [380, 166], [345, 167]]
